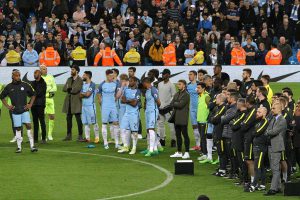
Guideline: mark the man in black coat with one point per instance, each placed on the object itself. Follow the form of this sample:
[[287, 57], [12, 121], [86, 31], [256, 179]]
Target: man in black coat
[[38, 108]]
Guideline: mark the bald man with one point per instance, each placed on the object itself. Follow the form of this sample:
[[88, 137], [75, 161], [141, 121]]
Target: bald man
[[50, 92], [260, 148]]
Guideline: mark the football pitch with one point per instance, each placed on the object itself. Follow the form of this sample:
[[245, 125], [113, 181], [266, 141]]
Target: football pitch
[[70, 171]]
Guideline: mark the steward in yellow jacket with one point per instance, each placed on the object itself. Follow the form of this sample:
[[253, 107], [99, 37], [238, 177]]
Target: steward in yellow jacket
[[79, 56], [132, 57], [198, 59], [12, 57]]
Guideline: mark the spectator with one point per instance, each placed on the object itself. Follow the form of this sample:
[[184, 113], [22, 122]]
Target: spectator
[[132, 57], [173, 12], [92, 51], [120, 51], [274, 56], [49, 57], [212, 42], [261, 54], [78, 55], [238, 55], [265, 39], [78, 15], [189, 53], [12, 57], [250, 52], [2, 51], [286, 51], [225, 48], [233, 17], [247, 18], [213, 58], [156, 53], [148, 20], [222, 24], [146, 45], [286, 30], [205, 23], [169, 55], [180, 49], [30, 57]]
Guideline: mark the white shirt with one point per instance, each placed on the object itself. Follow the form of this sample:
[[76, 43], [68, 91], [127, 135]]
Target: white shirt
[[166, 92]]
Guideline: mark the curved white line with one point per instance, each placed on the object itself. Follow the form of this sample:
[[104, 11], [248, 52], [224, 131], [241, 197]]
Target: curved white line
[[163, 184]]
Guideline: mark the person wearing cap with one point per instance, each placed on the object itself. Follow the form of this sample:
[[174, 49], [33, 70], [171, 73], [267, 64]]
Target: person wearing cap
[[169, 55], [132, 57], [238, 55], [78, 55], [18, 91], [108, 57], [73, 102], [166, 92], [12, 57], [49, 56], [50, 106]]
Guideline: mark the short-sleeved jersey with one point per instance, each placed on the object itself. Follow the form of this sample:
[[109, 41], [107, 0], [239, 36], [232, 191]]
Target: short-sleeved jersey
[[132, 94], [89, 87], [192, 90], [120, 104], [108, 92], [18, 93], [151, 97]]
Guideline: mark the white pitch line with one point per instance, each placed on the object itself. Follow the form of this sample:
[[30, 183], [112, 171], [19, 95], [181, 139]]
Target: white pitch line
[[168, 174]]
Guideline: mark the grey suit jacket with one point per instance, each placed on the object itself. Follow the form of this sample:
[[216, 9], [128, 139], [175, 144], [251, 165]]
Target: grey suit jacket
[[276, 131]]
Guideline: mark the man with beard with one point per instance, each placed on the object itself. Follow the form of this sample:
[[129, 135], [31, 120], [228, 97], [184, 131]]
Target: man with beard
[[247, 82], [73, 104], [88, 116], [260, 144], [166, 92]]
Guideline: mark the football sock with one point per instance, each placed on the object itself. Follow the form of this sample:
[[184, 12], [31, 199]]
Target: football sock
[[87, 132], [209, 148], [134, 137], [96, 130], [152, 138], [197, 137], [19, 139], [123, 138], [51, 127], [127, 137], [104, 134], [30, 138], [116, 134], [111, 130]]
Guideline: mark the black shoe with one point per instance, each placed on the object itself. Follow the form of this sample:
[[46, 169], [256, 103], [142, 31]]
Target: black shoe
[[173, 143], [68, 138], [18, 150], [220, 174], [162, 142], [270, 193], [33, 149], [43, 142], [81, 139]]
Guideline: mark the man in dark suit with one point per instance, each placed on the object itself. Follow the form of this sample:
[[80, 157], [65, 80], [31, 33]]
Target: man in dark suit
[[276, 131]]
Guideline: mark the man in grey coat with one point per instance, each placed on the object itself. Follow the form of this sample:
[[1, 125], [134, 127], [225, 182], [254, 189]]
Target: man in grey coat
[[72, 104], [276, 131]]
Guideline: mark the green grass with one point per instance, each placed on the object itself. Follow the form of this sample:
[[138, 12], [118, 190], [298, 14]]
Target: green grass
[[56, 175]]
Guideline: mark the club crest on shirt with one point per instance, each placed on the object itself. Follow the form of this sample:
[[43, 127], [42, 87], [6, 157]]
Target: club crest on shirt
[[22, 88]]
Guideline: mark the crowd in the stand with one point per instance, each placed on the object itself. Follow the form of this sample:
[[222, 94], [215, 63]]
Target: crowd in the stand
[[149, 32]]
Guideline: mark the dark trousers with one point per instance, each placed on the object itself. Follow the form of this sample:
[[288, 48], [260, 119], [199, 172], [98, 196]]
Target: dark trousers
[[297, 155], [182, 130], [38, 118], [221, 153], [70, 123], [260, 154], [230, 153], [241, 165], [202, 128]]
